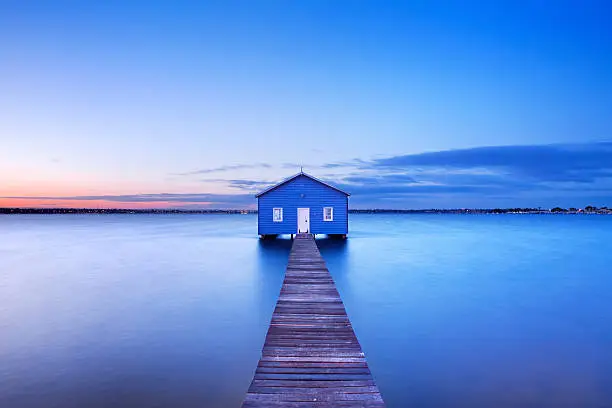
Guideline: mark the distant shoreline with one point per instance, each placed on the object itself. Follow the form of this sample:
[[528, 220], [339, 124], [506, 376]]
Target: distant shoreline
[[556, 210]]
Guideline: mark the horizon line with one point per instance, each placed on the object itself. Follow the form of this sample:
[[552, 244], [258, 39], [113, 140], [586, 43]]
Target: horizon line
[[246, 210]]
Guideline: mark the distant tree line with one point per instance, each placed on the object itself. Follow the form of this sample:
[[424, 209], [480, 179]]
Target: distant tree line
[[116, 211], [587, 209], [518, 210]]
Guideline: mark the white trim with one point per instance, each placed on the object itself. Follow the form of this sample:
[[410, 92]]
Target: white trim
[[331, 214], [277, 219]]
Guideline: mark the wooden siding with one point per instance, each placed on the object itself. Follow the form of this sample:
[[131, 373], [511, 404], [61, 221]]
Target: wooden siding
[[289, 197]]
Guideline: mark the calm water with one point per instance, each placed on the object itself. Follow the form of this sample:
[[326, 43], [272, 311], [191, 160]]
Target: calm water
[[172, 311]]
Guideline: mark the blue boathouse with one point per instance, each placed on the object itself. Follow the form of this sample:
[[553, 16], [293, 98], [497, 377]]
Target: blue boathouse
[[302, 204]]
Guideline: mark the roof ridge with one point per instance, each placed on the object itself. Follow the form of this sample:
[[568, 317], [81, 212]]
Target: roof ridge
[[301, 173]]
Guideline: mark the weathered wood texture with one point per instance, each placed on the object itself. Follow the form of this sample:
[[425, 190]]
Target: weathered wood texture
[[311, 357]]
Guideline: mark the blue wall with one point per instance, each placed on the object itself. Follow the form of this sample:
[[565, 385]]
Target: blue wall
[[316, 196]]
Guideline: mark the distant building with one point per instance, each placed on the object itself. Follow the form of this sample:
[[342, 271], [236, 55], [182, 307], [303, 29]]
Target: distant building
[[302, 203]]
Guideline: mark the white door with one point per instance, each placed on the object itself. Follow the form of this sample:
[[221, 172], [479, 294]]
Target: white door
[[303, 220]]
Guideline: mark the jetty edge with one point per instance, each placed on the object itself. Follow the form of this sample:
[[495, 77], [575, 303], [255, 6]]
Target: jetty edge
[[311, 356]]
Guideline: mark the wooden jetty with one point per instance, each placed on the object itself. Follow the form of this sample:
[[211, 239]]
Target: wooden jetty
[[311, 357]]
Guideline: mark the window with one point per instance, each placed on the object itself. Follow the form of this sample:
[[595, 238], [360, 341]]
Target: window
[[277, 215], [328, 213]]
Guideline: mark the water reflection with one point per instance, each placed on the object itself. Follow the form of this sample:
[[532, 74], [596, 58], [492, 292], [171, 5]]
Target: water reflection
[[132, 311], [272, 256], [332, 245], [172, 311]]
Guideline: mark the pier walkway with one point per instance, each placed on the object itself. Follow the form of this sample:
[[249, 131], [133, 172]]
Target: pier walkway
[[311, 357]]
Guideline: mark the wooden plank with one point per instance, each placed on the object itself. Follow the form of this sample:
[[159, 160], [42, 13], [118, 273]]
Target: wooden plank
[[311, 356]]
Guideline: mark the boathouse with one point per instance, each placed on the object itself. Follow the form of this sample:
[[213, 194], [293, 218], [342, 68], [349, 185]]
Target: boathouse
[[302, 204]]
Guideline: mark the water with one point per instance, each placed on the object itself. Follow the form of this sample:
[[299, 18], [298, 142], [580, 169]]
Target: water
[[172, 310]]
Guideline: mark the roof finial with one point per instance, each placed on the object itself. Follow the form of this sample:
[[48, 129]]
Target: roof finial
[[301, 170]]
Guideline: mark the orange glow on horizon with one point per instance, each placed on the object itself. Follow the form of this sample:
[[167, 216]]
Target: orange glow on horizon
[[106, 204]]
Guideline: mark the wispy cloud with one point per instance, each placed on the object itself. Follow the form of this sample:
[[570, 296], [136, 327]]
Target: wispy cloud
[[378, 179], [481, 176], [346, 164], [241, 184], [248, 184], [554, 163], [222, 169], [486, 175], [196, 198]]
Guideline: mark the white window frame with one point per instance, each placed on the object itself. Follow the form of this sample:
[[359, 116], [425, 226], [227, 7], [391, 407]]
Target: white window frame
[[280, 211], [331, 214]]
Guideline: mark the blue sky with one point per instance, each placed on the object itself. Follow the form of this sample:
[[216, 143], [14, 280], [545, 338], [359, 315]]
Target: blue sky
[[406, 104]]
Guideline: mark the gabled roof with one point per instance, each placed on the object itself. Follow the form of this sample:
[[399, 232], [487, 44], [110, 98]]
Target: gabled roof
[[287, 180]]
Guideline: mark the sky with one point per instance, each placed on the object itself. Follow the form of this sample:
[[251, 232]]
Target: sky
[[405, 104]]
